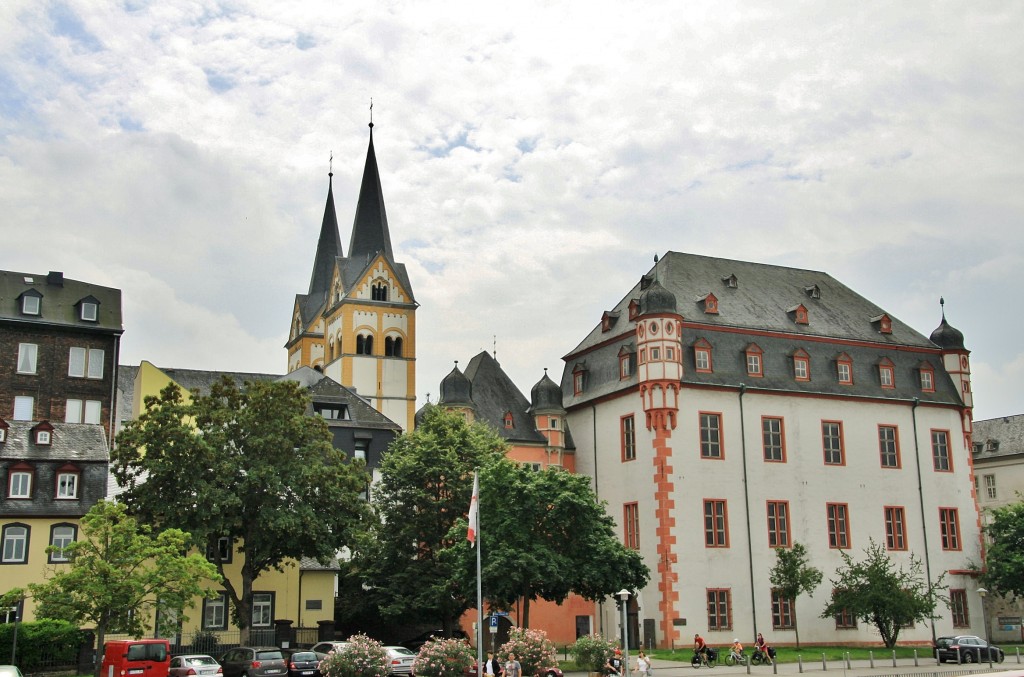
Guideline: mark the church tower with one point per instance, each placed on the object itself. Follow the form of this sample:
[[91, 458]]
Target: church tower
[[357, 321]]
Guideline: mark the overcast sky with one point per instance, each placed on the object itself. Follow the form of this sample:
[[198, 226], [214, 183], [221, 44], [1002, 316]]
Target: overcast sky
[[534, 157]]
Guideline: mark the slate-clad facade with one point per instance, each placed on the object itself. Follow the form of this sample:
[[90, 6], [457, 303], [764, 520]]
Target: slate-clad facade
[[725, 408]]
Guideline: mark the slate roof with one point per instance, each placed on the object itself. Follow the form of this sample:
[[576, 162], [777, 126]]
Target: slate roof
[[370, 225], [75, 442], [325, 390], [189, 379], [755, 311], [1007, 432], [494, 393], [310, 564], [60, 296]]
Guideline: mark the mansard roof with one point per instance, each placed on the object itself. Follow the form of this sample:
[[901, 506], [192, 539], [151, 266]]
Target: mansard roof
[[494, 394], [69, 442], [999, 437], [60, 298]]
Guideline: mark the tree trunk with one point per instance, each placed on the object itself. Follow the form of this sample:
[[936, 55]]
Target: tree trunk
[[796, 625], [526, 611], [101, 638]]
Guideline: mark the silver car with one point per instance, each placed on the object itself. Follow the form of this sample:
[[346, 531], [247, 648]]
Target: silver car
[[194, 664], [401, 660]]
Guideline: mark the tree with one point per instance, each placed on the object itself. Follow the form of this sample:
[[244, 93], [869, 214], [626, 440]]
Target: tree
[[1004, 561], [118, 569], [249, 464], [877, 592], [426, 483], [544, 535], [793, 576]]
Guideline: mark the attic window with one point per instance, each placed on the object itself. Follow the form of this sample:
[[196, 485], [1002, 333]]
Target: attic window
[[3, 430], [627, 356], [43, 437], [927, 374], [798, 313], [634, 309], [88, 309], [887, 373], [509, 421], [991, 445], [579, 378], [814, 291], [710, 303], [883, 323], [801, 365], [608, 320], [844, 369], [333, 412], [31, 302], [730, 281], [702, 357], [755, 365]]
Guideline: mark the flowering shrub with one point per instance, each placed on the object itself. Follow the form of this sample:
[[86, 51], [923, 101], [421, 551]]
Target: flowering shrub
[[443, 658], [532, 649], [363, 657], [591, 652]]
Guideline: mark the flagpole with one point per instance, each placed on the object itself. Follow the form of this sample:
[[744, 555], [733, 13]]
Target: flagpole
[[479, 591]]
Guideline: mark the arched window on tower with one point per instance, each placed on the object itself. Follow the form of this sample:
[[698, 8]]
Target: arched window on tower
[[379, 291], [393, 346], [364, 345]]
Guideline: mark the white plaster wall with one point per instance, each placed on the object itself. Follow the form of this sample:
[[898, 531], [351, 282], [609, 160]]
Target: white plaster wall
[[364, 375]]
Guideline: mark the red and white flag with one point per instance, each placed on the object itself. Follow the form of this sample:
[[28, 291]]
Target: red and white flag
[[474, 511]]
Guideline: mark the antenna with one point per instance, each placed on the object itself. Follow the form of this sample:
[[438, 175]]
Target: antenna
[[330, 165], [494, 350], [371, 112]]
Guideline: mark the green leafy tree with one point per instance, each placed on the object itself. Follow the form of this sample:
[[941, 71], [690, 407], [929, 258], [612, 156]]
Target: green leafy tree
[[880, 594], [118, 570], [544, 535], [793, 576], [1004, 561], [426, 483], [245, 463]]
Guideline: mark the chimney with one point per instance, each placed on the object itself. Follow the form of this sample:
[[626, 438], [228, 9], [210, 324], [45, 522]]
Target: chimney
[[55, 278]]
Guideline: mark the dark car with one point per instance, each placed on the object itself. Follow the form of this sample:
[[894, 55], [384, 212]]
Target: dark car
[[253, 661], [967, 649], [419, 640], [198, 665], [303, 663]]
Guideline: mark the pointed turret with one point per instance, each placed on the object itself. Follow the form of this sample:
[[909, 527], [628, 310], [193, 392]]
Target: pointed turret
[[370, 228], [328, 247]]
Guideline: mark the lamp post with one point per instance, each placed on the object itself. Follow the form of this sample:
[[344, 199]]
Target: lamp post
[[983, 593], [623, 596]]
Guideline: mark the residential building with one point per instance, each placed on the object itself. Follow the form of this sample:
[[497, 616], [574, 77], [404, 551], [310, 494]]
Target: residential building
[[727, 408], [999, 481], [357, 321]]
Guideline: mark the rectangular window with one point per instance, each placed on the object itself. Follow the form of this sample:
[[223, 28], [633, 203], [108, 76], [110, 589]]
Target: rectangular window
[[624, 370], [24, 408], [670, 354], [990, 486], [885, 373], [716, 524], [223, 549], [711, 436], [655, 354], [940, 451], [832, 442], [888, 446], [772, 439], [838, 525], [78, 411], [949, 528], [753, 364], [577, 383], [958, 606], [61, 536], [15, 548], [702, 359], [719, 609], [895, 528], [627, 428], [927, 381], [89, 309], [778, 524], [782, 611], [86, 363], [845, 620], [801, 369], [27, 357], [67, 485], [844, 370], [214, 613], [20, 485], [30, 305], [262, 609], [631, 525]]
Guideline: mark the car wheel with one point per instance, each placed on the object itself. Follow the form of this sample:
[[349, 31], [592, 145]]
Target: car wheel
[[968, 657], [1001, 656]]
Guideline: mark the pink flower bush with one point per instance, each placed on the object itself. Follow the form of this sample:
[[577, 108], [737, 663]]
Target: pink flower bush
[[363, 657], [443, 658], [532, 649]]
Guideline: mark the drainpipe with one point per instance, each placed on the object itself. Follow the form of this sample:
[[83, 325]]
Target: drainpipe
[[746, 503], [597, 494], [920, 498]]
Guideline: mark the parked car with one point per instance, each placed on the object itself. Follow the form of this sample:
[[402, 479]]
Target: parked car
[[194, 664], [253, 661], [401, 660], [10, 671], [967, 649], [324, 648], [419, 640], [304, 663]]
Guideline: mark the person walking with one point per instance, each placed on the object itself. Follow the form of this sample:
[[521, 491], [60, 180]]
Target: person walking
[[643, 664], [492, 668], [512, 667], [614, 665]]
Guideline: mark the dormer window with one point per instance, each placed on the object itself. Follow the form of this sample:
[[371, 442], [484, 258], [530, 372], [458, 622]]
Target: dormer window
[[608, 320], [634, 309], [883, 323], [702, 357], [814, 291], [626, 354], [3, 430], [801, 365], [31, 302], [67, 482], [887, 373], [798, 313], [755, 366], [333, 412], [844, 369], [508, 420], [42, 433], [710, 304], [19, 481], [927, 374], [88, 309], [730, 281], [579, 378]]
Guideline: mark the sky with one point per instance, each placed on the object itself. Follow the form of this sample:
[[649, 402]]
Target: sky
[[534, 158]]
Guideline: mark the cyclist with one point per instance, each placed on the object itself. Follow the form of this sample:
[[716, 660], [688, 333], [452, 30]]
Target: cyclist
[[737, 650], [700, 648], [761, 646]]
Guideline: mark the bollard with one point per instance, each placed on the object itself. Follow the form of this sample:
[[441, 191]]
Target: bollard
[[1018, 654], [848, 660], [871, 655], [775, 667], [915, 658], [894, 657], [800, 660], [824, 665], [746, 659], [990, 658]]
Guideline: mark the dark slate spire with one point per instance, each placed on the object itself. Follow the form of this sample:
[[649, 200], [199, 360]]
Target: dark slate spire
[[456, 390], [946, 335], [370, 228], [546, 395], [327, 248], [657, 299]]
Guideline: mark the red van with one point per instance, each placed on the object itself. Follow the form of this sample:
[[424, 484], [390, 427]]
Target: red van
[[136, 658]]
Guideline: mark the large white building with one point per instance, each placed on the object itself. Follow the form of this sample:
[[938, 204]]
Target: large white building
[[725, 408]]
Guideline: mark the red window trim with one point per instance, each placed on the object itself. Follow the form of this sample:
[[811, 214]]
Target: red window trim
[[896, 442], [728, 608], [779, 543], [721, 436], [622, 438], [631, 525], [844, 359], [842, 443], [949, 450], [802, 356], [703, 345], [945, 534], [754, 350], [844, 508], [902, 528], [782, 434], [931, 372], [715, 502]]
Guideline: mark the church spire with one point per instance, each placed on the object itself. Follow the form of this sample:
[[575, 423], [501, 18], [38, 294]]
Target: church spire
[[327, 248], [370, 228]]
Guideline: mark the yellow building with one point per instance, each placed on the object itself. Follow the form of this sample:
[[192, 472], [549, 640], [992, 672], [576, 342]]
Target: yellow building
[[357, 322]]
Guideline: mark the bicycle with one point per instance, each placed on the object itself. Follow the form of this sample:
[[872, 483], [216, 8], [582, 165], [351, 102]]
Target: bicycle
[[736, 659], [758, 658], [707, 657]]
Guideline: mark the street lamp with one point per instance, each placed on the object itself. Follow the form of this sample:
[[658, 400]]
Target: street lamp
[[983, 593], [623, 596]]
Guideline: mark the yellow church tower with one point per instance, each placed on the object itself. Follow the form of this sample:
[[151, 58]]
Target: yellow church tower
[[357, 322]]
